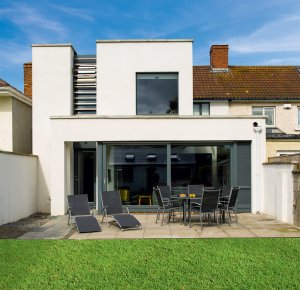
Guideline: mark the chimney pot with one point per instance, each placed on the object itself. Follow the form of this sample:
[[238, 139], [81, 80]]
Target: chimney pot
[[219, 57]]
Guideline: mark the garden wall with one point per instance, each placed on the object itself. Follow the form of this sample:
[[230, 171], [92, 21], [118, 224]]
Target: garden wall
[[18, 186], [278, 191]]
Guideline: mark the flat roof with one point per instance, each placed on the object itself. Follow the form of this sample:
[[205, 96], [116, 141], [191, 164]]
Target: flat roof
[[53, 45], [143, 40]]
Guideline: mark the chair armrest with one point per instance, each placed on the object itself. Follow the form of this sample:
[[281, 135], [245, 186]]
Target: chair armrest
[[127, 208], [104, 210]]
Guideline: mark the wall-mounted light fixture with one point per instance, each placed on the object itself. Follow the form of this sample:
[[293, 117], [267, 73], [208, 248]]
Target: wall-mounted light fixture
[[151, 157], [129, 156], [175, 157]]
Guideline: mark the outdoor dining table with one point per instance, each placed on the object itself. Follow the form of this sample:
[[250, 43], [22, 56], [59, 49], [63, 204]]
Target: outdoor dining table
[[186, 200]]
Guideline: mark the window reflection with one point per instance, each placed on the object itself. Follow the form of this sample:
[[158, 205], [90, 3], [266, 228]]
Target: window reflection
[[207, 165], [134, 170], [157, 93]]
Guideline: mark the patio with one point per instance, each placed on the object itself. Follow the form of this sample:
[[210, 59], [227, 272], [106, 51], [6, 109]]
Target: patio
[[250, 226]]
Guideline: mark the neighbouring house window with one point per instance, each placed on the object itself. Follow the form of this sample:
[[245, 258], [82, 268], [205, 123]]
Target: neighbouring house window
[[156, 93], [268, 111], [201, 109]]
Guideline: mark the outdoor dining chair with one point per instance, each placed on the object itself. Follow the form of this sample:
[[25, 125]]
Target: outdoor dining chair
[[195, 201], [112, 207], [165, 191], [209, 205], [230, 204], [79, 213], [166, 194], [164, 205]]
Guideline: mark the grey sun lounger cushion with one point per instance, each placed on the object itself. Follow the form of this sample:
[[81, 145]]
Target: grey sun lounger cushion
[[112, 205], [126, 221], [79, 204], [87, 224]]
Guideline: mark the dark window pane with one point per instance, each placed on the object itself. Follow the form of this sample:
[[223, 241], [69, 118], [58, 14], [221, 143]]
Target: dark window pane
[[135, 170], [207, 165], [157, 94]]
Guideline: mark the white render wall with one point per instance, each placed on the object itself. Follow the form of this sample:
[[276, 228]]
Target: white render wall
[[6, 129], [219, 108], [118, 63], [18, 195], [149, 129], [278, 192], [52, 94]]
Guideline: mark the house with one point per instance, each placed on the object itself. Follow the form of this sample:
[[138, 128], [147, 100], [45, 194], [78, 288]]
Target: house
[[273, 91], [123, 119], [15, 120]]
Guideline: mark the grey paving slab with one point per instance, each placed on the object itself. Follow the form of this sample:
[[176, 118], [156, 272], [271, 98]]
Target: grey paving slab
[[249, 225], [55, 229]]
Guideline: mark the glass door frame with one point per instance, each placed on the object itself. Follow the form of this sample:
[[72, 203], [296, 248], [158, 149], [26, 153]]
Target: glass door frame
[[101, 166]]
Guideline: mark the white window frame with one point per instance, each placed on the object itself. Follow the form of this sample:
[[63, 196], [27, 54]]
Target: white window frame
[[264, 108], [298, 117], [201, 103]]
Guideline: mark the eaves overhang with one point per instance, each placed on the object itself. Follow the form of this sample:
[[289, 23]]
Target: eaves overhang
[[10, 92]]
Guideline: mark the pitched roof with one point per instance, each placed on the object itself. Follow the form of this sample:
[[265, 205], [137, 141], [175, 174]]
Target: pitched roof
[[6, 88], [4, 84], [247, 82]]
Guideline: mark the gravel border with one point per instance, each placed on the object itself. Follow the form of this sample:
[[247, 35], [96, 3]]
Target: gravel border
[[22, 226]]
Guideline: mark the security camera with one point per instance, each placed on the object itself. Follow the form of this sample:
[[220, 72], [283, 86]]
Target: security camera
[[256, 128]]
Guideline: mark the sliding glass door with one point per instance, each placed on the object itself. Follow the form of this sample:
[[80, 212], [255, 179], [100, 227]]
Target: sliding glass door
[[134, 170]]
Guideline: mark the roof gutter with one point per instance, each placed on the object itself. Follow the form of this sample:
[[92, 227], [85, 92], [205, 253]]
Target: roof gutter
[[10, 92]]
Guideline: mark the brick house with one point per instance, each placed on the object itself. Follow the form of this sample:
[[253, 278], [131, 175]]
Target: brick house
[[273, 91]]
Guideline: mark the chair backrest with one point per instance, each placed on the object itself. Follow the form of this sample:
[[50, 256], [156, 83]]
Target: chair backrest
[[196, 189], [233, 197], [111, 201], [79, 204], [226, 190], [158, 196], [165, 191], [210, 199]]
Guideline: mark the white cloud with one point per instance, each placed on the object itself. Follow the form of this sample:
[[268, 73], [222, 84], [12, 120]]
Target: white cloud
[[33, 22], [283, 61], [78, 13], [13, 54], [281, 35]]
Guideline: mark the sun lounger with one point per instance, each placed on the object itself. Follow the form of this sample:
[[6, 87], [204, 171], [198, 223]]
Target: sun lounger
[[112, 206], [79, 212]]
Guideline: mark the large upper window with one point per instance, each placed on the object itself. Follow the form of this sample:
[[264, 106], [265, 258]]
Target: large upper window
[[156, 93], [268, 111]]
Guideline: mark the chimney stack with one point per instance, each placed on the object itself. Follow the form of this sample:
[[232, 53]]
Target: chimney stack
[[219, 57], [28, 79]]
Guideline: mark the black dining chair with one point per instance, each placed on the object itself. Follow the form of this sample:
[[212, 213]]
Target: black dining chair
[[209, 205], [164, 205], [197, 191], [230, 205]]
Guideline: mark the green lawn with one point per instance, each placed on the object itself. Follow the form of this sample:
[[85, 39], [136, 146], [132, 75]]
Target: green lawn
[[151, 264]]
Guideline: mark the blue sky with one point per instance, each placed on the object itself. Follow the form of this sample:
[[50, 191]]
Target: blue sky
[[264, 32]]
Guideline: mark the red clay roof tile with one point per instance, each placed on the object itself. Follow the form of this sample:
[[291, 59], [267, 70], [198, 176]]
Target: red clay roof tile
[[247, 82]]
